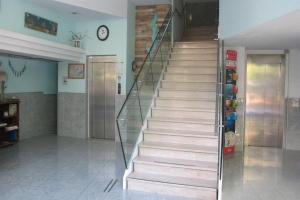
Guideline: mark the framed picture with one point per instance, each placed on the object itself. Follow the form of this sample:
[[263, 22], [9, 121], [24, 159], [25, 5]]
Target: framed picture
[[40, 24], [76, 71]]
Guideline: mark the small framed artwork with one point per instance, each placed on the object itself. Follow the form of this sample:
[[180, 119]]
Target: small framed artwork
[[76, 71]]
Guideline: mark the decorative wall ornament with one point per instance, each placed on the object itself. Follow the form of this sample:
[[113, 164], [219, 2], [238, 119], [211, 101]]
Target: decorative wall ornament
[[40, 24], [16, 73]]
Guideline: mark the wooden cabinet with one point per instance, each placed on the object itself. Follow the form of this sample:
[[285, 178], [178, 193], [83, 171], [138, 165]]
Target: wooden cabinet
[[9, 122]]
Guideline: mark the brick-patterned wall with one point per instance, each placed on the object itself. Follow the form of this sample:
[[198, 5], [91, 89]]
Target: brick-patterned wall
[[144, 16]]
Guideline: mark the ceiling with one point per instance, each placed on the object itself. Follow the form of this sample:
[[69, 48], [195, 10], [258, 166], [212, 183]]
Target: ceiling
[[81, 14], [153, 2], [150, 2], [281, 33]]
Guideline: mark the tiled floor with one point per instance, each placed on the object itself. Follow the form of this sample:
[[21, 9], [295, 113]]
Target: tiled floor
[[262, 174], [59, 168]]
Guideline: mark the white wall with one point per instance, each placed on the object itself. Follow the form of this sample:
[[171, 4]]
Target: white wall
[[112, 7], [237, 16], [294, 73], [293, 94]]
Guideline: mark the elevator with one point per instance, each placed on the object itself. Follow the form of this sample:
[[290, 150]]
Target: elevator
[[264, 122], [101, 97]]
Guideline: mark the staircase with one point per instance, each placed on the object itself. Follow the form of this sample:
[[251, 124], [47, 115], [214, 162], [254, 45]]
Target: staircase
[[179, 152]]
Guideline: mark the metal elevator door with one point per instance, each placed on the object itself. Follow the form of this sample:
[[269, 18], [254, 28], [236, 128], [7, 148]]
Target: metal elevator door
[[264, 101], [102, 91]]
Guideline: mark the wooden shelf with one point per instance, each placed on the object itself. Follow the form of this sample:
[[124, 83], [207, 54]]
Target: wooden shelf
[[12, 120]]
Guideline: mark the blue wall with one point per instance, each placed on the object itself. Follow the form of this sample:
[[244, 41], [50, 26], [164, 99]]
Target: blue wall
[[121, 41], [116, 44], [237, 16], [39, 76], [12, 14]]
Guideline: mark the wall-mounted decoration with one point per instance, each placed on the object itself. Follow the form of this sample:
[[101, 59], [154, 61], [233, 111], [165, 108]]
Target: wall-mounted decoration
[[102, 33], [231, 104], [16, 73], [40, 24], [76, 71], [77, 38]]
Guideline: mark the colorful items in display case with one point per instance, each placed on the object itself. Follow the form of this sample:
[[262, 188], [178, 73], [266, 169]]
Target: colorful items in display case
[[231, 90]]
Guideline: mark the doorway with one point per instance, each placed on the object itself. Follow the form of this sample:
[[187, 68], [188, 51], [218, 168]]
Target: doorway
[[102, 91], [202, 14], [265, 101]]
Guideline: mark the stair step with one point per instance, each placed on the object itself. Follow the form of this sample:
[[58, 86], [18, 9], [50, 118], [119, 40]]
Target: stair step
[[192, 70], [182, 132], [185, 103], [212, 56], [190, 77], [152, 136], [179, 151], [186, 94], [194, 50], [202, 44], [173, 186], [194, 63], [183, 113], [182, 124], [188, 85], [176, 167]]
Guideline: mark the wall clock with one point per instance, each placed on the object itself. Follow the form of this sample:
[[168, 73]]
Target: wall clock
[[102, 32]]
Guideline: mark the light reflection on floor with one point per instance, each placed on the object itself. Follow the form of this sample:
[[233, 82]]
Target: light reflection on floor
[[262, 174]]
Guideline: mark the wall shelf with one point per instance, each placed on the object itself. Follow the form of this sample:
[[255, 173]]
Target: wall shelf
[[20, 44]]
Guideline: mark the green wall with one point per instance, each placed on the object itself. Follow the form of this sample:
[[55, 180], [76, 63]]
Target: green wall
[[39, 76]]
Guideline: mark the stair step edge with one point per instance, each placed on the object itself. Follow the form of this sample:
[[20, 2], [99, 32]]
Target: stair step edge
[[176, 164], [183, 109], [179, 134], [160, 179], [182, 121], [179, 147]]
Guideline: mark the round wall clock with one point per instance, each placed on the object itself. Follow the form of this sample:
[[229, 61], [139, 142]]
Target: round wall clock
[[102, 32]]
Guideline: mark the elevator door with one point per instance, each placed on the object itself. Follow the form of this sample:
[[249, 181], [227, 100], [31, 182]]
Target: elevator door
[[264, 100], [102, 90]]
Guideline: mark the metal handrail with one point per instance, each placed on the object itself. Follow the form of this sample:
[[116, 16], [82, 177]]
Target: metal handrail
[[220, 116], [159, 38]]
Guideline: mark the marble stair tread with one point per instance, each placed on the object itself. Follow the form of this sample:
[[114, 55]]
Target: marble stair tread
[[194, 54], [189, 74], [180, 147], [187, 99], [185, 109], [183, 90], [192, 66], [200, 134], [183, 81], [191, 59], [173, 180], [196, 42], [180, 163], [183, 120]]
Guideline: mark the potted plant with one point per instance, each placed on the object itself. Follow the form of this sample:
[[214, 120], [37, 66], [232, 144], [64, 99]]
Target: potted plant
[[77, 37]]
